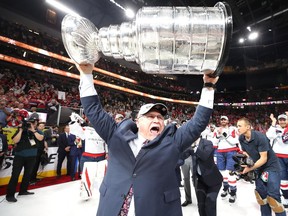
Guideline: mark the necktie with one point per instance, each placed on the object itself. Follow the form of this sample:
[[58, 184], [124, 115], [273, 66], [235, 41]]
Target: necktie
[[145, 142], [125, 207]]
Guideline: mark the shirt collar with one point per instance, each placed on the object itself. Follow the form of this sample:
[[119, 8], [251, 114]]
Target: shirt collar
[[252, 135], [251, 138], [140, 139]]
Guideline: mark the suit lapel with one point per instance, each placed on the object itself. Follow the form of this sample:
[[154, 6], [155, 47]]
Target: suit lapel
[[140, 155], [128, 136]]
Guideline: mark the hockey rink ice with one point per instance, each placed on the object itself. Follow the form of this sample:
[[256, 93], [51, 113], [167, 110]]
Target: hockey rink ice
[[64, 200]]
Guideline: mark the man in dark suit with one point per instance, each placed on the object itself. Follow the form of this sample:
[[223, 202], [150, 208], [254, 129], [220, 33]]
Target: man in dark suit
[[206, 177], [142, 154], [74, 154], [187, 169], [63, 151]]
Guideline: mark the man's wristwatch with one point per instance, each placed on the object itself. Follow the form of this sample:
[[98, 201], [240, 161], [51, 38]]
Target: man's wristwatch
[[209, 85]]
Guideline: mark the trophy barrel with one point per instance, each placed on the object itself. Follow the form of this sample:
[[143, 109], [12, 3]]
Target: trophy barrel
[[184, 40], [80, 39]]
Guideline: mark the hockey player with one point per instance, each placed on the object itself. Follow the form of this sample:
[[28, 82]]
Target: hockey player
[[278, 135], [227, 147], [92, 164]]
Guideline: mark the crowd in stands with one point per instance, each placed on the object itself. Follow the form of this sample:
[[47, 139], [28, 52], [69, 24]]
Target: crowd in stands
[[31, 88], [24, 88]]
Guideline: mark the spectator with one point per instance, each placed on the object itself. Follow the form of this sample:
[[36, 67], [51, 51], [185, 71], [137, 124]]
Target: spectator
[[23, 113], [4, 113], [34, 114]]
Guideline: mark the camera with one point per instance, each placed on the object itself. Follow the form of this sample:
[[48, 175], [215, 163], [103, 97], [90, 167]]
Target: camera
[[13, 114], [240, 160], [26, 125]]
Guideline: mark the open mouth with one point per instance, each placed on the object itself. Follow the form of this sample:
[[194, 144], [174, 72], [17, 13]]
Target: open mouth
[[155, 130]]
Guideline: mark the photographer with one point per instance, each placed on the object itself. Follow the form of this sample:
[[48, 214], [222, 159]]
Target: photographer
[[14, 119], [25, 156], [42, 148], [256, 145]]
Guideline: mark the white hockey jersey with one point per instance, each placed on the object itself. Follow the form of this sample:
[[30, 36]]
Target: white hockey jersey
[[210, 135], [227, 139], [94, 144], [278, 140]]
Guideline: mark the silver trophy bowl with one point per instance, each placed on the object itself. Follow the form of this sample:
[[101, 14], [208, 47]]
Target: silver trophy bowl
[[80, 38], [162, 40]]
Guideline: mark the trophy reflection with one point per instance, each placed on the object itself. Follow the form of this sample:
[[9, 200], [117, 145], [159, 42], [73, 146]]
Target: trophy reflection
[[166, 40]]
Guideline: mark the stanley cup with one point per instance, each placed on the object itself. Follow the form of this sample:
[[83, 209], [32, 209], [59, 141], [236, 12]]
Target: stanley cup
[[162, 40]]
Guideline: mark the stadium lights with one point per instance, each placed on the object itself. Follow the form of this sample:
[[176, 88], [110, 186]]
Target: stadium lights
[[241, 40], [129, 13], [253, 35], [62, 7]]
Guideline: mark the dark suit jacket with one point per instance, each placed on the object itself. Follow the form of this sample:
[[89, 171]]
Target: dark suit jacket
[[187, 153], [152, 172], [73, 147], [205, 159], [62, 143]]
